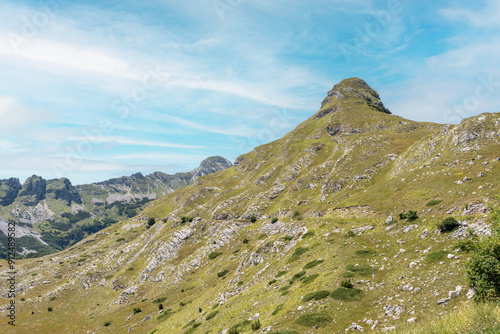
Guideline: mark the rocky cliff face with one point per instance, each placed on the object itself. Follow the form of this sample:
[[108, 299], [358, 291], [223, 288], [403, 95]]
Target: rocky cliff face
[[8, 191]]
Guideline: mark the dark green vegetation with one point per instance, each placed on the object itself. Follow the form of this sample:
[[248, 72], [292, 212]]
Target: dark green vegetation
[[314, 319], [409, 216], [447, 225]]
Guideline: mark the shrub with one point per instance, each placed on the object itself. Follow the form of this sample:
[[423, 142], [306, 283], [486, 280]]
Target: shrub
[[245, 241], [346, 284], [362, 269], [262, 236], [466, 245], [274, 220], [164, 316], [256, 325], [313, 264], [50, 309], [281, 273], [297, 276], [314, 319], [483, 269], [436, 256], [160, 306], [309, 279], [222, 273], [346, 294], [186, 219], [137, 310], [448, 225], [212, 315], [298, 252], [347, 274], [117, 240], [107, 323], [241, 327], [308, 234], [286, 331], [277, 309], [350, 234], [317, 295], [272, 282], [408, 216], [151, 221], [253, 219], [287, 237], [433, 202], [159, 300], [214, 255], [297, 215], [233, 331]]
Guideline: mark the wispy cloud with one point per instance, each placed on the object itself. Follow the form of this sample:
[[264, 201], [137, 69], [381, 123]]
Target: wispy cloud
[[487, 16]]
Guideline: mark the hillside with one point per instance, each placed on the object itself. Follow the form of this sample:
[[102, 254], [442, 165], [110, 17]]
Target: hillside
[[52, 215], [272, 238]]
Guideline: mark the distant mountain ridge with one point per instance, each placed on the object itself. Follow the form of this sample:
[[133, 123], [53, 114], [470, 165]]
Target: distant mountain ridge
[[57, 202]]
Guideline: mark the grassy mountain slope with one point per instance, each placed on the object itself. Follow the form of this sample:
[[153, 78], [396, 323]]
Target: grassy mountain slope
[[53, 214], [331, 183]]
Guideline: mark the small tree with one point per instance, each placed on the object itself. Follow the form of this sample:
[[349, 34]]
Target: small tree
[[160, 307], [253, 219], [483, 268], [448, 225], [297, 215], [151, 222], [346, 284], [408, 216], [274, 220], [256, 325]]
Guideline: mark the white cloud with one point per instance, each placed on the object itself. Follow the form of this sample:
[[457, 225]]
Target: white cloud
[[486, 17]]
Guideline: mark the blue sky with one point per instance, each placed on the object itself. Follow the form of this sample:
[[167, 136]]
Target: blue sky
[[91, 90]]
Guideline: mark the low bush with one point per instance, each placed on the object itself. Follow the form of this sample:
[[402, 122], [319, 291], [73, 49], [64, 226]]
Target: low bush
[[256, 325], [346, 284], [277, 309], [274, 220], [285, 331], [313, 264], [309, 279], [308, 234], [281, 273], [362, 269], [107, 323], [317, 295], [214, 255], [159, 300], [212, 315], [314, 319], [137, 310], [346, 294], [297, 276], [448, 225], [347, 274], [253, 219], [408, 216], [298, 252], [297, 215], [433, 202], [222, 273], [271, 282]]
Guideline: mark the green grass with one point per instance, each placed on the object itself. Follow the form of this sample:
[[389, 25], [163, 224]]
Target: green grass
[[308, 234], [347, 294], [314, 319], [437, 256], [313, 264], [214, 255], [277, 309], [298, 252], [433, 202], [309, 279], [347, 274], [285, 331], [212, 315], [317, 295], [242, 326], [365, 252], [281, 273], [362, 269]]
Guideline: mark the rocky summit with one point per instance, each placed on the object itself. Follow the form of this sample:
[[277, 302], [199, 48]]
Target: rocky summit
[[331, 229]]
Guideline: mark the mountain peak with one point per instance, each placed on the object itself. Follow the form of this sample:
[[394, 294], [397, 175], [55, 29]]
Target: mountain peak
[[352, 91]]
